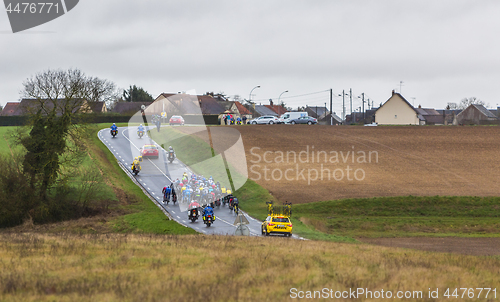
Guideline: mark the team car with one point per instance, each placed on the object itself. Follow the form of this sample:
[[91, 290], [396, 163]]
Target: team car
[[278, 220], [277, 224], [149, 151], [176, 119]]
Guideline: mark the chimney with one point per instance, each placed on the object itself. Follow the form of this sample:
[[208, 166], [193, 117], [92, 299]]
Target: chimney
[[393, 92], [419, 106], [271, 102]]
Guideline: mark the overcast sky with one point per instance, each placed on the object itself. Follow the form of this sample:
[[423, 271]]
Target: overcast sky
[[442, 50]]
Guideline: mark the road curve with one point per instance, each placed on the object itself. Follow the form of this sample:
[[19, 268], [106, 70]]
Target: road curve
[[158, 173]]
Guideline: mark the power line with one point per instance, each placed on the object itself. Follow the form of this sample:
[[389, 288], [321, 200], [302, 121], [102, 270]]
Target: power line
[[294, 96]]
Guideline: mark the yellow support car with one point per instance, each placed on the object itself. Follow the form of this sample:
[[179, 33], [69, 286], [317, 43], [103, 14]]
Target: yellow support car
[[278, 224]]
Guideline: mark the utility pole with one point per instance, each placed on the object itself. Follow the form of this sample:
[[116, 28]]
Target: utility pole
[[363, 100], [331, 114], [350, 96], [343, 107]]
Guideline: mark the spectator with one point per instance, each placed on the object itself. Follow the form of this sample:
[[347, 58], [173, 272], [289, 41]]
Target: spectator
[[244, 120]]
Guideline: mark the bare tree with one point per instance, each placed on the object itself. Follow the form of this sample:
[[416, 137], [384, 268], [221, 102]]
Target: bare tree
[[66, 91], [452, 106], [466, 102], [53, 139]]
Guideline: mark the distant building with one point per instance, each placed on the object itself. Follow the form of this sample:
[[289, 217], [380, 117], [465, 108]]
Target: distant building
[[429, 116], [129, 108], [261, 110], [397, 111], [10, 109], [317, 112], [449, 116], [476, 115]]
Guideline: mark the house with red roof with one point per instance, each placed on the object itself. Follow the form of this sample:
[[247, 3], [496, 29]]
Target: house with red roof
[[10, 109]]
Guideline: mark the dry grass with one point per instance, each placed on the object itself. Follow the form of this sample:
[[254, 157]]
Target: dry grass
[[37, 267]]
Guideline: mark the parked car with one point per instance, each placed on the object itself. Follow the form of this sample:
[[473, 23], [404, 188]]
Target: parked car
[[149, 151], [304, 120], [265, 119], [176, 119], [286, 117]]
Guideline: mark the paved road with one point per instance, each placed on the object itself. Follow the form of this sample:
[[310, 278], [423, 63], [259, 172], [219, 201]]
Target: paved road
[[158, 173]]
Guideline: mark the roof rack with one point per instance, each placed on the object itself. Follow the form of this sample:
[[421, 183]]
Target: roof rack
[[284, 210]]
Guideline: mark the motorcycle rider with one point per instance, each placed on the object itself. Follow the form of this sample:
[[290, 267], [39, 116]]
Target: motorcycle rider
[[140, 129], [171, 152], [208, 210], [113, 127], [166, 193], [193, 210], [136, 164]]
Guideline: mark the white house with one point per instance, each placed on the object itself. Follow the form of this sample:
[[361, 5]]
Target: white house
[[397, 111]]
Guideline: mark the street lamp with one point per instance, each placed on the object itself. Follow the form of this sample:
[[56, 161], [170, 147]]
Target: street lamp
[[280, 96], [250, 96], [343, 105]]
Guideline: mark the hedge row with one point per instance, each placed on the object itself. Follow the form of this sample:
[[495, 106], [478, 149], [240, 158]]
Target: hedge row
[[105, 118]]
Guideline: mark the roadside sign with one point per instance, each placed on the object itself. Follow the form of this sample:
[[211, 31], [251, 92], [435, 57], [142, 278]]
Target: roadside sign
[[241, 219], [242, 230]]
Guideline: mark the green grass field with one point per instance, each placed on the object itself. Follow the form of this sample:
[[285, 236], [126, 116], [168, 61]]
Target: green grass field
[[405, 216]]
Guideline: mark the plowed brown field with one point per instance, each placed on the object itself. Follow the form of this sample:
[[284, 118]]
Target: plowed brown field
[[422, 161]]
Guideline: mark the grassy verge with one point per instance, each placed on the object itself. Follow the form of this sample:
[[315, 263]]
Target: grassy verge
[[129, 209], [42, 267], [405, 216]]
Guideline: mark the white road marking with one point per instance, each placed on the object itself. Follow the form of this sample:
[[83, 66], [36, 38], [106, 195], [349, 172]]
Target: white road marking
[[178, 216]]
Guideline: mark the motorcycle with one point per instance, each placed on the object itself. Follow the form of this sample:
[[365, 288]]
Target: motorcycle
[[114, 133], [193, 214], [171, 156], [236, 208], [208, 220], [136, 169], [140, 133]]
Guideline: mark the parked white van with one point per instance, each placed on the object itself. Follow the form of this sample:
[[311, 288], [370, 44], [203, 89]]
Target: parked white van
[[286, 117]]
